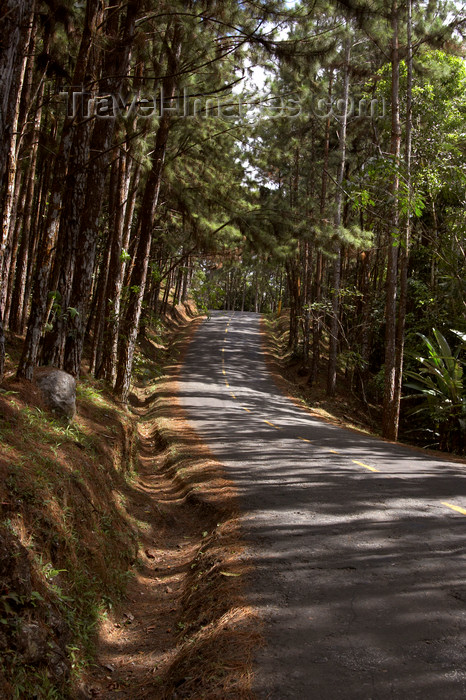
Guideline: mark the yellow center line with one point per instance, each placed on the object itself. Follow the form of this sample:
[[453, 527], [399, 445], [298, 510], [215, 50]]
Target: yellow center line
[[304, 439], [335, 452], [233, 394], [453, 507], [226, 383], [246, 409], [223, 371], [366, 466], [272, 424]]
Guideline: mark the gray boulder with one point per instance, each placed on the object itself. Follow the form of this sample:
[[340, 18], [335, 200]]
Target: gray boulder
[[58, 390]]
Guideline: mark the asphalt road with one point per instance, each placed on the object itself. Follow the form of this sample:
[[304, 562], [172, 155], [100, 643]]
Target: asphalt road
[[357, 544]]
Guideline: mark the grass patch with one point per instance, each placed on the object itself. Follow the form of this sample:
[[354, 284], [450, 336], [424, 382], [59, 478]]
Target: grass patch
[[67, 543]]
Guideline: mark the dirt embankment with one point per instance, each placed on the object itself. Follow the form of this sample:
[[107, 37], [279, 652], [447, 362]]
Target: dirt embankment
[[120, 551], [347, 408]]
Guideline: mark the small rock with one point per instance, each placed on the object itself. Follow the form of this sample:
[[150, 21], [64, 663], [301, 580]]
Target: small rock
[[58, 390], [150, 554]]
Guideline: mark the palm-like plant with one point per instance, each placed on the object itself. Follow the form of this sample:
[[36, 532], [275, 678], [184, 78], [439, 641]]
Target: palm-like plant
[[440, 383]]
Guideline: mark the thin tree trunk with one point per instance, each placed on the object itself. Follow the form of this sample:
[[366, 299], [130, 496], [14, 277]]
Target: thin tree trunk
[[404, 251], [108, 364], [317, 313], [114, 70], [336, 275], [15, 239], [9, 115], [17, 300], [39, 305], [67, 240], [148, 208], [390, 408], [16, 18]]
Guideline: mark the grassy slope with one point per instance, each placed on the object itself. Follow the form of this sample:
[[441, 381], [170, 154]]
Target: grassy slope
[[66, 538], [74, 536]]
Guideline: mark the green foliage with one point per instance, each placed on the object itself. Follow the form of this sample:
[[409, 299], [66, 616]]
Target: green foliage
[[440, 385]]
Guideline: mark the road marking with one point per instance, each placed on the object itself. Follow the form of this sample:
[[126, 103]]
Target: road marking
[[457, 508], [226, 330], [233, 394], [223, 349], [223, 371], [304, 439], [246, 409], [335, 452], [227, 383], [272, 424], [366, 466]]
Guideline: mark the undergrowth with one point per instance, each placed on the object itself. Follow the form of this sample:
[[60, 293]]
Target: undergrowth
[[66, 540]]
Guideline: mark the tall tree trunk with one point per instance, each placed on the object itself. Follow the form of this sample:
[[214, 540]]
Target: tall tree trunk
[[13, 61], [67, 239], [108, 364], [114, 72], [148, 208], [390, 407], [15, 238], [336, 273], [14, 26], [16, 318], [39, 304], [404, 248], [317, 313]]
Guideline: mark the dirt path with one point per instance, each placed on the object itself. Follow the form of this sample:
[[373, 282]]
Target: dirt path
[[184, 629]]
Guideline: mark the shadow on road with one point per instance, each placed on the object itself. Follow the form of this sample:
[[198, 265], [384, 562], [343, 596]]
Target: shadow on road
[[359, 575]]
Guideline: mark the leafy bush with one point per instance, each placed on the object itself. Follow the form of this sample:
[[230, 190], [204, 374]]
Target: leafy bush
[[439, 384]]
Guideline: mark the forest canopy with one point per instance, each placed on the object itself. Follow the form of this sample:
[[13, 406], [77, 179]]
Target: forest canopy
[[261, 156]]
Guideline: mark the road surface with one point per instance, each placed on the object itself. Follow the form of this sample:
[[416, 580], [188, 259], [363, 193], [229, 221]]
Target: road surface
[[358, 545]]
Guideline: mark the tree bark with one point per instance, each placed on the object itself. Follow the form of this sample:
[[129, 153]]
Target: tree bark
[[404, 248], [319, 268], [148, 208], [14, 26], [39, 304], [13, 61], [390, 407], [336, 274], [114, 71], [106, 368]]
